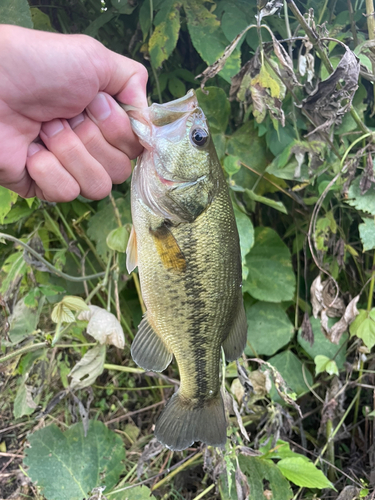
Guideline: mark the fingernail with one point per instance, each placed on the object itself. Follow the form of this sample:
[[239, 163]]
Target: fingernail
[[74, 122], [99, 107], [52, 128], [33, 148]]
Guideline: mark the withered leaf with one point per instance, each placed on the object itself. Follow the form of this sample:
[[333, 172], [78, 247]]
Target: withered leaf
[[328, 103], [242, 486], [152, 449], [368, 175], [218, 65], [268, 8], [341, 326], [240, 87], [231, 407], [88, 368], [306, 328]]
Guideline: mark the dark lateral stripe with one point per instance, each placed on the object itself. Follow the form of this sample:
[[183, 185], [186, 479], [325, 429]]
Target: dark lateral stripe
[[198, 317]]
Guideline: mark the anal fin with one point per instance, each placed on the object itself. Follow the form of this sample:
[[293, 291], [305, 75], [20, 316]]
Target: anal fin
[[148, 350], [235, 343]]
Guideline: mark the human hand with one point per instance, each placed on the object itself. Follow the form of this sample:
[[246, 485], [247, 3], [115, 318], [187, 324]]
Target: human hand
[[59, 87]]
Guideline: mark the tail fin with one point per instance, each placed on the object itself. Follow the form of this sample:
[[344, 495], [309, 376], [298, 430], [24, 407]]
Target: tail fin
[[183, 422]]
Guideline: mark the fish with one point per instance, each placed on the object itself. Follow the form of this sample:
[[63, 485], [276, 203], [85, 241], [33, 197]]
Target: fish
[[185, 242]]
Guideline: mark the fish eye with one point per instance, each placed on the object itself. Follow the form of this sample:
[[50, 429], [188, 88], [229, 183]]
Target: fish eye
[[199, 136]]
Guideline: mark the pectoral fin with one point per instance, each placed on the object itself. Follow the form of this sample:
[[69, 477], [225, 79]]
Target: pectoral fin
[[148, 350], [131, 252], [235, 343], [168, 249]]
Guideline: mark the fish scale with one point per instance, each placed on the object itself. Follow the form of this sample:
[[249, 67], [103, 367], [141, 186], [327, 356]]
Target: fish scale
[[188, 256]]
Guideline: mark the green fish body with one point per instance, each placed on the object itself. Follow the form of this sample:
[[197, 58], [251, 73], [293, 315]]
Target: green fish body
[[186, 245]]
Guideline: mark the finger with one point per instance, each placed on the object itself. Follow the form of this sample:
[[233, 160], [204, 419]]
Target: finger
[[123, 77], [114, 124], [92, 178], [115, 162], [51, 181]]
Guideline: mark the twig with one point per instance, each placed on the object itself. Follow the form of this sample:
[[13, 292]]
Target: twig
[[52, 268], [131, 413]]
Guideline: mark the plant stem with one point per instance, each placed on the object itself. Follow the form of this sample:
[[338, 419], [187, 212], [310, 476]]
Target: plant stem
[[117, 213], [371, 35], [207, 490], [352, 23], [51, 267], [358, 396], [119, 368], [330, 451], [23, 350], [371, 291], [138, 288], [176, 471], [333, 434]]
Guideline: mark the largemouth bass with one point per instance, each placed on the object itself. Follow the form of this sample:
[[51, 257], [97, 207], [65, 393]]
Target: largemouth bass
[[186, 245]]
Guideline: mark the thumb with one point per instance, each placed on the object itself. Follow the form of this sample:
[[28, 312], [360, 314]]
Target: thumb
[[124, 78]]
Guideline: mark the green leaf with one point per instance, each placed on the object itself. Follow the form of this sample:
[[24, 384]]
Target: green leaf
[[69, 465], [290, 368], [102, 223], [164, 39], [15, 12], [23, 321], [271, 277], [303, 473], [176, 87], [208, 37], [331, 368], [216, 107], [7, 199], [118, 239], [280, 450], [23, 402], [41, 21], [245, 230], [231, 164], [255, 156], [364, 202], [124, 6], [257, 471], [321, 362], [136, 493], [322, 345], [367, 234], [265, 317], [277, 205], [233, 22], [14, 267], [104, 18], [364, 327]]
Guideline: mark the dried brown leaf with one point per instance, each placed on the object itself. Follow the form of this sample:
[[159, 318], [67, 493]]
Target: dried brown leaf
[[218, 65], [231, 407], [328, 103], [306, 329], [341, 326], [242, 486], [152, 449], [268, 8], [368, 176]]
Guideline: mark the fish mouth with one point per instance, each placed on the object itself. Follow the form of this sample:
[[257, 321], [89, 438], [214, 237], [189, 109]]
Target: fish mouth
[[179, 183]]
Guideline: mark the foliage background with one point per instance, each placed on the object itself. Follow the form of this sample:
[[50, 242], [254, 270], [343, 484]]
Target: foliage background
[[289, 183]]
